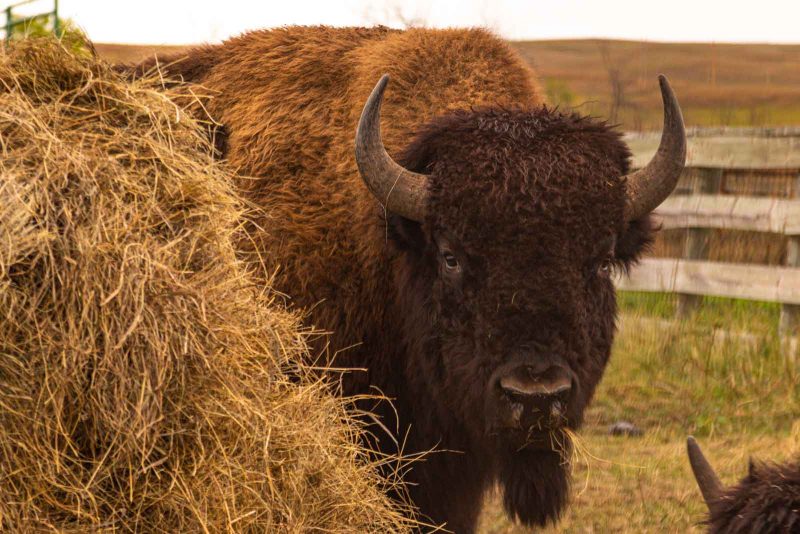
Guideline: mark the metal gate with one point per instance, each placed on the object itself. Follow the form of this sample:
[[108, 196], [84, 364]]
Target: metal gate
[[11, 23]]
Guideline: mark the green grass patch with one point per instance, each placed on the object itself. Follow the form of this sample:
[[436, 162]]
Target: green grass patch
[[760, 318]]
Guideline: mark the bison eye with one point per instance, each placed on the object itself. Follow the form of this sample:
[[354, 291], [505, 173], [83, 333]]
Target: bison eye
[[606, 267], [450, 261]]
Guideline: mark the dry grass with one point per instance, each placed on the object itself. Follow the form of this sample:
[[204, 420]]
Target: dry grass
[[146, 383], [645, 485]]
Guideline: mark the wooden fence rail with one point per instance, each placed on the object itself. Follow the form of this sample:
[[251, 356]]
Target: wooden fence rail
[[734, 280], [703, 207], [728, 212], [729, 148]]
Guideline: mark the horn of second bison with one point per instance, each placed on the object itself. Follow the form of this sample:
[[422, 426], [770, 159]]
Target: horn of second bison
[[650, 186], [707, 479], [399, 190]]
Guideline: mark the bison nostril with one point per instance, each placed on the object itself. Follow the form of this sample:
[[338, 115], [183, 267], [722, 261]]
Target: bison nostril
[[557, 414], [516, 413]]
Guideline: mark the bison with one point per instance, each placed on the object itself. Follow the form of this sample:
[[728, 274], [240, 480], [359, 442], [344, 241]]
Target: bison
[[459, 250], [766, 501]]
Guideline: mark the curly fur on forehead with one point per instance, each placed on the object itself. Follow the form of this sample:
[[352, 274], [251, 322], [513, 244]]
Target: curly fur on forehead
[[539, 164]]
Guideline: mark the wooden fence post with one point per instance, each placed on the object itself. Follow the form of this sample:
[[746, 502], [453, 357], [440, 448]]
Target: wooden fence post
[[790, 313], [707, 181]]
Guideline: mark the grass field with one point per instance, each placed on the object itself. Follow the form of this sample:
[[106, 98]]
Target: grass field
[[672, 379]]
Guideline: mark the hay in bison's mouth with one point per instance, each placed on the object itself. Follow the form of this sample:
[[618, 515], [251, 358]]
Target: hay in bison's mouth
[[534, 439]]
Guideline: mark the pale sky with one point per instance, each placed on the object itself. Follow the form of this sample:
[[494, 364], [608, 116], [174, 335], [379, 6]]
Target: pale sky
[[195, 21]]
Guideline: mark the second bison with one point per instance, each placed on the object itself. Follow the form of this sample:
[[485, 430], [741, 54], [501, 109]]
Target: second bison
[[766, 501], [464, 269]]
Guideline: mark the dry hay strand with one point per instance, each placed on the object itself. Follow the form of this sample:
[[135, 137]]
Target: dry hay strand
[[146, 383]]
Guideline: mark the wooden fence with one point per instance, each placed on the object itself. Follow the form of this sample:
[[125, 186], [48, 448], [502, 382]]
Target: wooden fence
[[700, 205]]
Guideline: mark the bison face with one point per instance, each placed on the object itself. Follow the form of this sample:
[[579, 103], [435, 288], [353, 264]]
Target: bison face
[[508, 283], [524, 226], [508, 225]]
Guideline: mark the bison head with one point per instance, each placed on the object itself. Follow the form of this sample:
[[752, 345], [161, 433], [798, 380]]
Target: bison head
[[508, 224]]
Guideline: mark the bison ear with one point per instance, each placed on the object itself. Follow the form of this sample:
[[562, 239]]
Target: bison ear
[[751, 468], [405, 233], [636, 239]]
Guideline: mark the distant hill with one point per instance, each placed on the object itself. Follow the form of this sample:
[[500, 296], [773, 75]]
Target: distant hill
[[717, 84], [126, 53]]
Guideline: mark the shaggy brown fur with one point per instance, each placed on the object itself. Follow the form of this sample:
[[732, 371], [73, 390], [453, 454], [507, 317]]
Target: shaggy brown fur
[[766, 501], [528, 199]]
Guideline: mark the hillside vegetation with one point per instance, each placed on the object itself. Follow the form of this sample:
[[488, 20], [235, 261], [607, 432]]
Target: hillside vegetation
[[718, 84]]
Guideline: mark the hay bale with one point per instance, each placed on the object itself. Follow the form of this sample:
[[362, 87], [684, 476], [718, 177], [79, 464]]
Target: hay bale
[[146, 384]]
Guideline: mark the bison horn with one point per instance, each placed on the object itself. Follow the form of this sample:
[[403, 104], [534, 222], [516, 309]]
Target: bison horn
[[650, 186], [398, 189], [707, 479]]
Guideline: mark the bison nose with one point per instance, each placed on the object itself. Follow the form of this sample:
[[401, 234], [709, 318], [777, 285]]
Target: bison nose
[[524, 381], [534, 398]]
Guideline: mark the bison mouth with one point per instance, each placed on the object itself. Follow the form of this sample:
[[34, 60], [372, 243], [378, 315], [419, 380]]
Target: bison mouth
[[535, 439], [527, 411]]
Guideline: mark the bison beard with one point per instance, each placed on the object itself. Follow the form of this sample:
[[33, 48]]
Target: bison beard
[[446, 307], [535, 486]]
